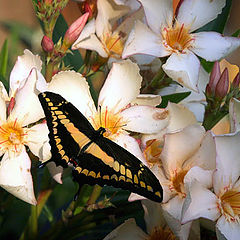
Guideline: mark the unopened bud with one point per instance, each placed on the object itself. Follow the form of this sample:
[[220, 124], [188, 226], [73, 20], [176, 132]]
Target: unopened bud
[[214, 77], [222, 85], [74, 31], [47, 44], [236, 81], [208, 91]]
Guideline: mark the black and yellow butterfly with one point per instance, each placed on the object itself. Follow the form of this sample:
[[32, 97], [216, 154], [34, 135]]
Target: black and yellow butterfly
[[95, 159]]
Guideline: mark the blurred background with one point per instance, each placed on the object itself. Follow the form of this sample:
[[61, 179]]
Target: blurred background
[[19, 24]]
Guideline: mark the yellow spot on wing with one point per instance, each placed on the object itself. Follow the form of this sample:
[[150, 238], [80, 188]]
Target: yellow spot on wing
[[106, 177], [158, 194], [142, 184], [62, 116], [58, 112], [85, 171], [122, 178], [135, 179], [128, 173], [122, 170], [116, 166], [92, 174], [64, 121], [79, 169], [59, 146]]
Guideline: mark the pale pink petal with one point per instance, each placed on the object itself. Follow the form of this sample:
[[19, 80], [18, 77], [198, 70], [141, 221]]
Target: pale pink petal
[[212, 45], [121, 86], [202, 176], [16, 178], [135, 197], [205, 157], [230, 229], [180, 117], [196, 13], [27, 108], [152, 215], [134, 5], [108, 10], [3, 108], [74, 88], [147, 99], [179, 146], [127, 230], [143, 40], [130, 144], [227, 161], [145, 119], [36, 137], [234, 114], [200, 202], [172, 213], [22, 68], [158, 13], [55, 171], [183, 68]]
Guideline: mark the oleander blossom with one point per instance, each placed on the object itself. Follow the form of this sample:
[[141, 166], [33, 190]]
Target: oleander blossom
[[223, 203], [16, 130], [175, 36], [120, 107]]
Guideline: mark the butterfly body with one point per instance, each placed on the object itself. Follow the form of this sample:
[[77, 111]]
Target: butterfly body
[[95, 158]]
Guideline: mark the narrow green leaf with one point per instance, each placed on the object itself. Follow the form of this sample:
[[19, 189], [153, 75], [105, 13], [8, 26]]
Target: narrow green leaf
[[236, 34], [175, 98], [4, 81], [4, 59]]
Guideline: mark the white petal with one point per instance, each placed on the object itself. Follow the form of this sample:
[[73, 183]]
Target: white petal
[[196, 13], [212, 45], [234, 114], [205, 157], [172, 213], [55, 171], [22, 68], [183, 68], [142, 40], [130, 144], [135, 197], [152, 215], [202, 176], [3, 108], [27, 107], [16, 178], [147, 99], [37, 136], [127, 230], [92, 43], [121, 86], [227, 161], [74, 87], [180, 117], [231, 230], [107, 10], [179, 146], [145, 119], [200, 202], [158, 13]]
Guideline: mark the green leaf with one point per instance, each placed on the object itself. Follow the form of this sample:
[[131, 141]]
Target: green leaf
[[4, 81], [218, 24], [236, 34], [175, 98], [74, 60], [4, 59]]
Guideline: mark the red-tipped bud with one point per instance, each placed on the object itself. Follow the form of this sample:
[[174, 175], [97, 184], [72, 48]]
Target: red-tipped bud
[[88, 9], [236, 81], [222, 85], [74, 31], [214, 77], [47, 44]]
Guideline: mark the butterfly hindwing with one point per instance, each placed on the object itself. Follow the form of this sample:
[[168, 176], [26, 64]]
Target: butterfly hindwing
[[96, 159]]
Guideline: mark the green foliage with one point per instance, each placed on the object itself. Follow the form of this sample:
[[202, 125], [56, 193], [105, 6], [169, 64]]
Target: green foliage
[[175, 98], [3, 64]]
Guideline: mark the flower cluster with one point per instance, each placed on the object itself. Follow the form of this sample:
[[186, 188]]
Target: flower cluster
[[135, 52]]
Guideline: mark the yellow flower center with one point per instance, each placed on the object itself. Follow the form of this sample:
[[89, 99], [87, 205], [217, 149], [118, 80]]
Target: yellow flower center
[[114, 43], [11, 136], [177, 38], [177, 182], [230, 205], [109, 120], [160, 233], [152, 152]]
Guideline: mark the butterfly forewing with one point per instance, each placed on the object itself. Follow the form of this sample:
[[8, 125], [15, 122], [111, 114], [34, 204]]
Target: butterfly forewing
[[96, 159]]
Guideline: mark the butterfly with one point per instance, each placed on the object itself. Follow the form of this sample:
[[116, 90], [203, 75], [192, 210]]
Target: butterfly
[[95, 158]]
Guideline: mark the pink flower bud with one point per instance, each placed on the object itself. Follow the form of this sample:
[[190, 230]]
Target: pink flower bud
[[11, 105], [74, 30], [47, 44], [236, 81], [214, 77], [222, 85]]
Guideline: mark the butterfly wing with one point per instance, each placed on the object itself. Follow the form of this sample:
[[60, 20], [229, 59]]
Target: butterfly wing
[[69, 130], [122, 169]]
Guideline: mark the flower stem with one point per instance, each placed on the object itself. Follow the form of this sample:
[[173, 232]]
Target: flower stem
[[95, 194]]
